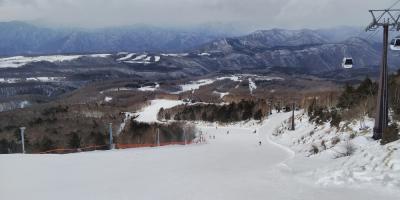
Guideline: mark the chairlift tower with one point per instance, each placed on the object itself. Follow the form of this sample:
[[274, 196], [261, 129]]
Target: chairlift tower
[[388, 20]]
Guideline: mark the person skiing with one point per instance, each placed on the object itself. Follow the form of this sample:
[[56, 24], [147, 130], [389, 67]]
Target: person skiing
[[259, 142]]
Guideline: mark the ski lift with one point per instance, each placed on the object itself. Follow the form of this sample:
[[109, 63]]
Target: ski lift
[[395, 44], [347, 63]]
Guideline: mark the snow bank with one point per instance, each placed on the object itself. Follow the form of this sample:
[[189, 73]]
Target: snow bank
[[321, 154]]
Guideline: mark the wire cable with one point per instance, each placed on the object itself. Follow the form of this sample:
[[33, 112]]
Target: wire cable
[[394, 4]]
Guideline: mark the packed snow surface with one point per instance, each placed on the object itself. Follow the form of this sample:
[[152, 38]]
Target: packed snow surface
[[149, 113], [231, 166]]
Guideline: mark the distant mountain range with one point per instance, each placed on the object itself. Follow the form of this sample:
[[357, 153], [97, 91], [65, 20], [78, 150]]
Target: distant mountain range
[[19, 38], [311, 51], [307, 54], [147, 51]]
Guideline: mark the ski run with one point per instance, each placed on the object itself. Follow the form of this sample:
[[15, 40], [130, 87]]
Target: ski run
[[232, 166]]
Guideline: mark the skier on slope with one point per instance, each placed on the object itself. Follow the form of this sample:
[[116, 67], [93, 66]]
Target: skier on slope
[[259, 142]]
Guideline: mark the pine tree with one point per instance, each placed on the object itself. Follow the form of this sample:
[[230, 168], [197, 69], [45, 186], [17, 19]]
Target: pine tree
[[75, 140]]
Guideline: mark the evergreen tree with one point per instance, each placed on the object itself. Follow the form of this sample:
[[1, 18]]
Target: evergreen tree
[[258, 115], [75, 140]]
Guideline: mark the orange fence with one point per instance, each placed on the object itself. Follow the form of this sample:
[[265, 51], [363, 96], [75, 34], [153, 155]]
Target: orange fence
[[65, 151], [105, 147], [129, 146]]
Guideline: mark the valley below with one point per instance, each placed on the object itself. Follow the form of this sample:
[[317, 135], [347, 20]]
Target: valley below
[[270, 114]]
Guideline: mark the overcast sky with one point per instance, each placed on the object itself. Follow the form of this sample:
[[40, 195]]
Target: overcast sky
[[253, 14]]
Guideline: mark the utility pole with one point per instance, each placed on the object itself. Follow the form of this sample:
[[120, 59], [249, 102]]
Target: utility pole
[[293, 117], [158, 137], [385, 19], [22, 130], [111, 136], [184, 134]]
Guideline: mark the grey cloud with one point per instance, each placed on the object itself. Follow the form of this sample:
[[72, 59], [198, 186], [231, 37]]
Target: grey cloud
[[251, 13]]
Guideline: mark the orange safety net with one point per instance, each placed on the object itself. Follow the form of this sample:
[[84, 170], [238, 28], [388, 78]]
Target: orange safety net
[[64, 151], [129, 146], [105, 147]]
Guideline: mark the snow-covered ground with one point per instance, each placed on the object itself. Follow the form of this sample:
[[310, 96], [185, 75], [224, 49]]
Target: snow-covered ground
[[149, 113], [252, 85], [320, 153], [231, 166], [149, 88], [108, 99], [194, 85], [128, 116], [175, 54], [18, 61], [221, 94], [35, 79], [126, 57], [134, 58], [117, 89]]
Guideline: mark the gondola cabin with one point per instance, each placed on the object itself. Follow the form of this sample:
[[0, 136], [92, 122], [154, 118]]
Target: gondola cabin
[[395, 44], [347, 63]]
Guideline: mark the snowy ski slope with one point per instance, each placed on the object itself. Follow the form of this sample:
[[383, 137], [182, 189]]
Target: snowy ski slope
[[231, 166]]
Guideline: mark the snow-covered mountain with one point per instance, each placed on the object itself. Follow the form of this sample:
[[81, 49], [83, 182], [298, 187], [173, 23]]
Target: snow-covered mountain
[[305, 50], [19, 38]]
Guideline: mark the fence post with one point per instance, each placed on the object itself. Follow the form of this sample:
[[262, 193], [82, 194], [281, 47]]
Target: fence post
[[22, 130], [111, 137]]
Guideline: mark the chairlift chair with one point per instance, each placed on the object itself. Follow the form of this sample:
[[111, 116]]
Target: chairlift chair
[[347, 63], [395, 44]]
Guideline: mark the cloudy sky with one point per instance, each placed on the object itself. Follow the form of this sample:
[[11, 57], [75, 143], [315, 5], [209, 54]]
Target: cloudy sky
[[251, 14]]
